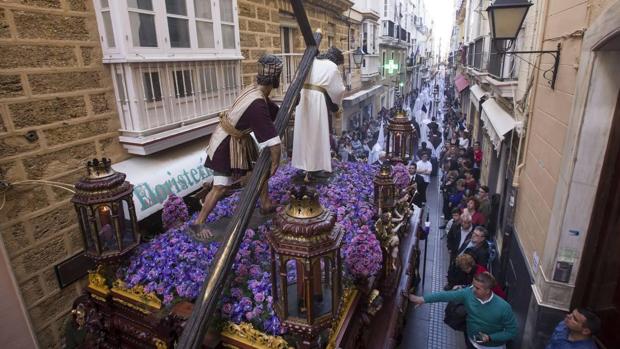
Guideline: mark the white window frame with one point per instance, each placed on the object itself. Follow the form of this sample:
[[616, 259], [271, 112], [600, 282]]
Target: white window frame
[[125, 51]]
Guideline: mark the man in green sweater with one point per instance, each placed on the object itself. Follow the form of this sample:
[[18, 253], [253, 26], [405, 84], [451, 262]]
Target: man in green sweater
[[490, 320]]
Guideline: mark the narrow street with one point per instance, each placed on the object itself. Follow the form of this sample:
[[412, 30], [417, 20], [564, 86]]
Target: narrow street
[[424, 327]]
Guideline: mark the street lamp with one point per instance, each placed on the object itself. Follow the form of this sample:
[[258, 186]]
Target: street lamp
[[358, 55], [506, 18]]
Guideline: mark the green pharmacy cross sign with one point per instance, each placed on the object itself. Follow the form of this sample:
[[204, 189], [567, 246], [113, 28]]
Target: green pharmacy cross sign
[[391, 66]]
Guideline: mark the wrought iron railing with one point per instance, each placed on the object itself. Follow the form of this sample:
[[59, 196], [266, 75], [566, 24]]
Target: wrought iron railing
[[160, 96], [289, 69], [501, 65]]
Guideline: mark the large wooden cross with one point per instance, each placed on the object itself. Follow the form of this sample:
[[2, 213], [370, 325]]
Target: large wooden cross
[[204, 307]]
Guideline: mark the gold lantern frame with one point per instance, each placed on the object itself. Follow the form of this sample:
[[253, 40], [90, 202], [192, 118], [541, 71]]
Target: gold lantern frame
[[106, 213], [306, 234], [384, 189], [401, 138]]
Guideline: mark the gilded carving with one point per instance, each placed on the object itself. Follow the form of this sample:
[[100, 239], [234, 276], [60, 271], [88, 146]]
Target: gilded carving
[[137, 294], [159, 344], [246, 333], [97, 282]]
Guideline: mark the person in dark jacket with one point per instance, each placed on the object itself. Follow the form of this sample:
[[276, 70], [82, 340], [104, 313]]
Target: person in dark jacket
[[416, 183], [469, 269], [459, 235], [477, 246]]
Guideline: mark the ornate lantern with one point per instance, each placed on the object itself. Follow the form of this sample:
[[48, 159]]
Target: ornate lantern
[[104, 204], [401, 138], [306, 266], [385, 189]]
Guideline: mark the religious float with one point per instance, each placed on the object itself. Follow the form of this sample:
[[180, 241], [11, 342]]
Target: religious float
[[326, 271]]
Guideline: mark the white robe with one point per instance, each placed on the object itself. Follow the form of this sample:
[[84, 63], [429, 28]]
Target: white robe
[[311, 146]]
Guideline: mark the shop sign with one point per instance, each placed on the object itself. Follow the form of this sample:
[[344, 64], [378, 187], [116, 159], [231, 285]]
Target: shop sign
[[178, 171]]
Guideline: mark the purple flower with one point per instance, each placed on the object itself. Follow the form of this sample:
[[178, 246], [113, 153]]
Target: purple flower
[[259, 297], [174, 266]]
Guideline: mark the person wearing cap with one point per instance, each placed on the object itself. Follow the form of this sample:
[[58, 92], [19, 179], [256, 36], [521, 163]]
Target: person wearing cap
[[232, 150], [322, 93]]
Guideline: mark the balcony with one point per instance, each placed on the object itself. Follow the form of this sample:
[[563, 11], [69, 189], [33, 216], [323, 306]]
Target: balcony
[[289, 69], [410, 64], [502, 70], [163, 104], [371, 65]]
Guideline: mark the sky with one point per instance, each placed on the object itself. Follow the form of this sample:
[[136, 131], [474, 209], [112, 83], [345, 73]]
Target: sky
[[442, 13]]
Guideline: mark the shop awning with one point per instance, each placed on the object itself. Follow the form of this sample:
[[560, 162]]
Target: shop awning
[[358, 97], [497, 122], [178, 171], [476, 93], [461, 83]]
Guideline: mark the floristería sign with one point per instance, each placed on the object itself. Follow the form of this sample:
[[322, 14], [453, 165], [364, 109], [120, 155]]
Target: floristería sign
[[179, 171]]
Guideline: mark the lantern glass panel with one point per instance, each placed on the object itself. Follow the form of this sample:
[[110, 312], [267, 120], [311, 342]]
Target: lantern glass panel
[[387, 194], [105, 229], [87, 230], [507, 21], [124, 220], [296, 305], [321, 286]]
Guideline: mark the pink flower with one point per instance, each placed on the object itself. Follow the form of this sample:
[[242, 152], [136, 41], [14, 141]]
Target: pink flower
[[259, 297]]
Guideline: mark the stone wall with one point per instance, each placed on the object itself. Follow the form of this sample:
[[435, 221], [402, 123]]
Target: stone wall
[[259, 30], [55, 90]]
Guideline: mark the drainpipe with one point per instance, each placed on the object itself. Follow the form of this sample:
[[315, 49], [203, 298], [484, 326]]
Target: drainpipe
[[529, 112]]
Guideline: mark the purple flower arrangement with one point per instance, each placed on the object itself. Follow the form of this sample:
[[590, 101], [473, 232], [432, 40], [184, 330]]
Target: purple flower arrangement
[[174, 213], [401, 176], [174, 266], [362, 257]]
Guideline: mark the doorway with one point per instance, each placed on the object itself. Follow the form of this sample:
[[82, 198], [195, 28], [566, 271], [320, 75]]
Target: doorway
[[598, 283]]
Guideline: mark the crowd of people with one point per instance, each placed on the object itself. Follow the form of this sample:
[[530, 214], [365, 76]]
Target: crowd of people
[[355, 143], [476, 301]]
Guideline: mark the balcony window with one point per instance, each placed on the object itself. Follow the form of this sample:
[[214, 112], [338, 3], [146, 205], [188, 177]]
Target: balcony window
[[178, 67], [108, 38], [478, 54], [157, 29], [178, 23], [142, 22], [204, 24], [228, 25], [501, 66], [160, 101]]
